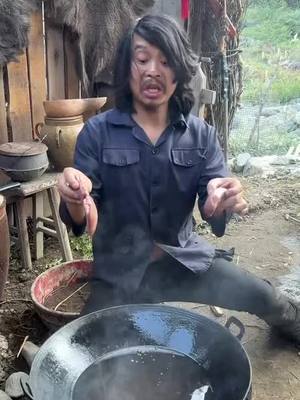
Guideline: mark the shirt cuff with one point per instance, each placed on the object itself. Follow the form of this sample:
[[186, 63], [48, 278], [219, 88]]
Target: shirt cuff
[[77, 229], [218, 224]]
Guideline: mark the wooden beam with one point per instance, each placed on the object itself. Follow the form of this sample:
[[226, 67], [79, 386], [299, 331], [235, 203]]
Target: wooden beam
[[46, 220], [37, 68], [19, 103], [47, 231], [207, 96]]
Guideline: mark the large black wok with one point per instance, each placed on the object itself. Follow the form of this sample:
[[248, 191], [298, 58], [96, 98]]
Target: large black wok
[[115, 354]]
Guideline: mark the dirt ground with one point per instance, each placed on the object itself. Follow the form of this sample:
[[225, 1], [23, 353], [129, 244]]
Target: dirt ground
[[267, 243]]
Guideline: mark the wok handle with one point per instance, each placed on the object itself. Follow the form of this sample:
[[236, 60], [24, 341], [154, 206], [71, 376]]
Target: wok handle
[[9, 185], [234, 321], [26, 388]]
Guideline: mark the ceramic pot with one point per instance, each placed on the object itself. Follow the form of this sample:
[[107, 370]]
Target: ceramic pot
[[72, 107], [60, 135]]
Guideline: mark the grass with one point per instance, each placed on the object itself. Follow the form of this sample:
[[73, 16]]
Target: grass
[[272, 143], [270, 39], [271, 36], [284, 88]]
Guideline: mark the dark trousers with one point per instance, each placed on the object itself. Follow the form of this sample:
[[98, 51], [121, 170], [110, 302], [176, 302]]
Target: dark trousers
[[224, 284]]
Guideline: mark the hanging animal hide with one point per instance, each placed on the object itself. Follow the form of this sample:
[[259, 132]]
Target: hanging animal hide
[[99, 25], [14, 27]]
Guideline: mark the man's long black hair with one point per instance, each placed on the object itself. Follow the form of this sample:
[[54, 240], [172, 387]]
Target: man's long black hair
[[164, 33]]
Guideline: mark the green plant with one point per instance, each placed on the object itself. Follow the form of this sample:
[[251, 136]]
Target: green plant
[[82, 245]]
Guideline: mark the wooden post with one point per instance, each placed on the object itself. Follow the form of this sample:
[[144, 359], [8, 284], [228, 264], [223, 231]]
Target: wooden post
[[199, 83], [23, 234], [37, 68], [225, 78], [38, 213], [3, 123], [60, 228], [195, 24]]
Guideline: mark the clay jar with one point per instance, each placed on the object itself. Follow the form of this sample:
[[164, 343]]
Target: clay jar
[[5, 246], [60, 135]]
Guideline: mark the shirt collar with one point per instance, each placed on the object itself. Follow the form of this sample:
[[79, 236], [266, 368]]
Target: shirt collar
[[180, 122], [117, 117]]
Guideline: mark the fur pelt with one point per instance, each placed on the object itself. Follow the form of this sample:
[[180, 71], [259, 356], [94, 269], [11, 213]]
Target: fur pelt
[[14, 27], [99, 25]]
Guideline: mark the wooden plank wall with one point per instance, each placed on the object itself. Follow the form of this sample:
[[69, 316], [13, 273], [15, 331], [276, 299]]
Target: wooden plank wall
[[19, 100], [46, 70], [55, 62]]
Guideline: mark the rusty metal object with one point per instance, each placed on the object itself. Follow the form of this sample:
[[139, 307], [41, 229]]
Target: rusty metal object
[[5, 246]]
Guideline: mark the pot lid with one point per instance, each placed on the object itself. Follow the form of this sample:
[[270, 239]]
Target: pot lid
[[19, 149]]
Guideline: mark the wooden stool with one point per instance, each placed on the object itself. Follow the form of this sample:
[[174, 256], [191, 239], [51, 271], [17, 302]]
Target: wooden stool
[[35, 189]]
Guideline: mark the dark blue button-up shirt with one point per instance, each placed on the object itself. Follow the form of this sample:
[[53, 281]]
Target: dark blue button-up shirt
[[145, 193]]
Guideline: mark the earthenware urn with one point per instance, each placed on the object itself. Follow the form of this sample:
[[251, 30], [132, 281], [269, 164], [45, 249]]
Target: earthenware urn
[[60, 135]]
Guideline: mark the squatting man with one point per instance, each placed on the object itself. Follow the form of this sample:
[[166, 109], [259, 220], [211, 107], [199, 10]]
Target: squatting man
[[138, 170]]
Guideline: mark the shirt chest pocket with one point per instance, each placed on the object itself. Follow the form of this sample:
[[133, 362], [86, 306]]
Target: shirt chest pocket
[[120, 157], [188, 157]]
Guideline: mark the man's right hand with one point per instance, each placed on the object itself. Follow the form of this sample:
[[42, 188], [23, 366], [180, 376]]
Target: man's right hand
[[74, 186]]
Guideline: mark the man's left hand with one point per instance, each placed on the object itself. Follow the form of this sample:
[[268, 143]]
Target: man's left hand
[[224, 194]]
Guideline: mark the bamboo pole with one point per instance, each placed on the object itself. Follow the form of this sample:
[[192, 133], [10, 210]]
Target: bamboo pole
[[225, 78]]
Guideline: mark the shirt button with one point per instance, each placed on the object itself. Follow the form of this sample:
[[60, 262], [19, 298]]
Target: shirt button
[[122, 161], [154, 151]]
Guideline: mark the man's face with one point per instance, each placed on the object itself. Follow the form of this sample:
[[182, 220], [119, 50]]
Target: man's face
[[152, 80]]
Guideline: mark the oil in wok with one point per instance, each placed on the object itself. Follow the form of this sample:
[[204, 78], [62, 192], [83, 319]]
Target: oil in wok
[[146, 375]]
